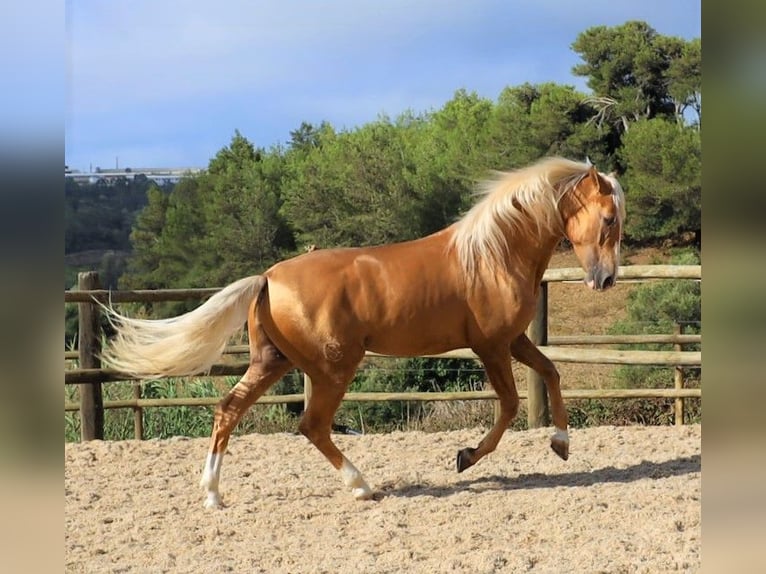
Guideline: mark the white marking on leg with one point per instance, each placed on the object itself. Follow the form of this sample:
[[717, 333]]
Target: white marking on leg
[[211, 474], [354, 480], [560, 436]]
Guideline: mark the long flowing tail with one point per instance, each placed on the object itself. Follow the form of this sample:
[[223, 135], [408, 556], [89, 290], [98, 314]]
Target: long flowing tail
[[183, 345]]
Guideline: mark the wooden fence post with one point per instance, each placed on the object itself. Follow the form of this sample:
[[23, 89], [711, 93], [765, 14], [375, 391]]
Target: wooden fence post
[[138, 414], [679, 382], [306, 391], [89, 348], [537, 396]]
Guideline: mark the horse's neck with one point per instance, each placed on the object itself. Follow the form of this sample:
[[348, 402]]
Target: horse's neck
[[530, 255]]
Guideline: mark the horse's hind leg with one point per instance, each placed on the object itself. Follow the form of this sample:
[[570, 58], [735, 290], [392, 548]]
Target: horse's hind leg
[[525, 351], [316, 424], [267, 365], [498, 368]]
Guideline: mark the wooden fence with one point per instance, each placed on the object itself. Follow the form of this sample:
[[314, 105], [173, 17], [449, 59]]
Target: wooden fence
[[90, 376]]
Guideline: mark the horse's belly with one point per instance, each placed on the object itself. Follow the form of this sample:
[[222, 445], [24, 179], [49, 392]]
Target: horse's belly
[[415, 339]]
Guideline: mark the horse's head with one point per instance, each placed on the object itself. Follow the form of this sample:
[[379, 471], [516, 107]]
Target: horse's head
[[593, 222]]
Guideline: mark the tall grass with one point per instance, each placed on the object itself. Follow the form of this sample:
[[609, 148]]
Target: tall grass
[[166, 422]]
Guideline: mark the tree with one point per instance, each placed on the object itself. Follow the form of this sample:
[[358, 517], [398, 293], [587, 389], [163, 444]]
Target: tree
[[447, 153], [308, 137], [244, 230], [636, 73], [532, 121], [183, 255], [350, 190], [684, 77], [237, 156], [663, 180], [215, 227], [145, 238]]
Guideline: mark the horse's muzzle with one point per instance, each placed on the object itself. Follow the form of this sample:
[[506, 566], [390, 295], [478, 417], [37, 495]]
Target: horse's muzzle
[[600, 279]]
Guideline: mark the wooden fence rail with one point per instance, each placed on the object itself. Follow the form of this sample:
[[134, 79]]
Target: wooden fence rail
[[674, 339], [90, 376], [404, 396], [556, 354]]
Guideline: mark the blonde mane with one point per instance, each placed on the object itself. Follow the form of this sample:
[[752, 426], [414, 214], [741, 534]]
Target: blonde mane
[[525, 199]]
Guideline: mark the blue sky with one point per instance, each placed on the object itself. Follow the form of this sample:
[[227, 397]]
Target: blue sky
[[166, 82]]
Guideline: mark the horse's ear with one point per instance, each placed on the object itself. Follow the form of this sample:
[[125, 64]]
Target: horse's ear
[[596, 181]]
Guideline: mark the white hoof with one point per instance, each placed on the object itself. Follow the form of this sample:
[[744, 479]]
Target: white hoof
[[213, 500], [362, 492], [354, 479]]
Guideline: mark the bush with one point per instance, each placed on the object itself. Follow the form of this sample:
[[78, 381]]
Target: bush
[[405, 375], [653, 308]]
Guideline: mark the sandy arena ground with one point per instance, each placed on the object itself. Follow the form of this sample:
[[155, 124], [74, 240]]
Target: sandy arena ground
[[628, 500]]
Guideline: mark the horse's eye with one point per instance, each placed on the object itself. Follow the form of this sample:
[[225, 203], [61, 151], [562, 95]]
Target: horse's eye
[[609, 221]]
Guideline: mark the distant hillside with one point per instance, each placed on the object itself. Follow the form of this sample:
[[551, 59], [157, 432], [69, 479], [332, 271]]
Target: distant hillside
[[98, 219], [100, 216]]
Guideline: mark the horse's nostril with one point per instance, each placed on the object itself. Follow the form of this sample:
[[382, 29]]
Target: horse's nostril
[[607, 282]]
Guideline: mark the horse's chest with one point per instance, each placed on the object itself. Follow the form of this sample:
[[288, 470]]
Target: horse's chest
[[504, 310]]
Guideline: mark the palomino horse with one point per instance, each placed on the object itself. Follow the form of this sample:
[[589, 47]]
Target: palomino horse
[[472, 285]]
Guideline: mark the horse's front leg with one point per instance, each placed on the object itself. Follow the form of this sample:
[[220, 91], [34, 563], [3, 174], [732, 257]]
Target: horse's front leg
[[527, 353], [497, 364]]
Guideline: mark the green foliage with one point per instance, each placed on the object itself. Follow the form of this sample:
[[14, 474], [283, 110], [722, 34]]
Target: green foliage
[[636, 73], [590, 413], [244, 231], [385, 416], [350, 190], [169, 422], [147, 248], [180, 242], [178, 421], [684, 77], [657, 308], [99, 216], [662, 181], [71, 325], [447, 151], [548, 119], [406, 375], [158, 422], [215, 227], [111, 268], [460, 134]]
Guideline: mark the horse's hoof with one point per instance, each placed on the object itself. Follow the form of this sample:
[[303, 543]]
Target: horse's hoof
[[465, 458], [561, 448], [362, 493], [213, 501]]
